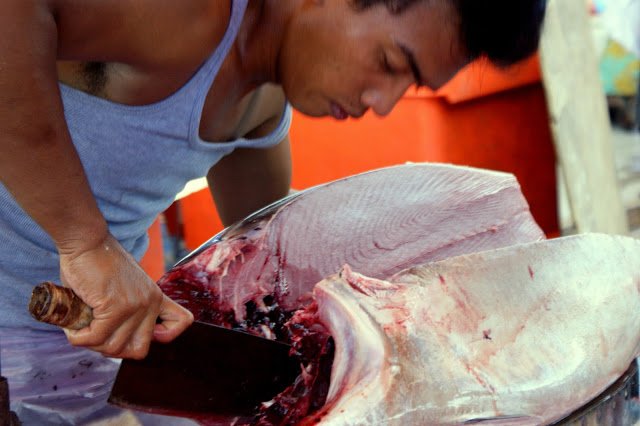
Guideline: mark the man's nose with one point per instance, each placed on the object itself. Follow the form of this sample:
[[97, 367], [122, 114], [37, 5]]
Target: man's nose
[[382, 99]]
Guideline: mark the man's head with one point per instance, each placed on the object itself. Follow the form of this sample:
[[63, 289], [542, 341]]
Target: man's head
[[343, 57], [504, 31]]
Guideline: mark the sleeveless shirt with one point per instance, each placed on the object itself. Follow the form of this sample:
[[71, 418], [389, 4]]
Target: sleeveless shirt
[[137, 158]]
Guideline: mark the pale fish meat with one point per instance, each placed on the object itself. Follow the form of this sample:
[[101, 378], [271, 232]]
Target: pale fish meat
[[521, 335]]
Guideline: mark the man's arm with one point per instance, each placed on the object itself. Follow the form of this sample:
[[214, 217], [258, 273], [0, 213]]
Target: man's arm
[[41, 169], [249, 179], [38, 162]]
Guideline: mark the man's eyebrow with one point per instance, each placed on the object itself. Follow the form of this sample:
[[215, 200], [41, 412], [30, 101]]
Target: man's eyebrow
[[413, 64]]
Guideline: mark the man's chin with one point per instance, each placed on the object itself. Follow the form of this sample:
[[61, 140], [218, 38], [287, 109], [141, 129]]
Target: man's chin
[[309, 112]]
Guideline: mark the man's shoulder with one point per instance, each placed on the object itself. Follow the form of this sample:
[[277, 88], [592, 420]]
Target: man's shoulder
[[148, 33]]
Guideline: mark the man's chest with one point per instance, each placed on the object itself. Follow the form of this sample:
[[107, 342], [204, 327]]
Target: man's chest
[[230, 111]]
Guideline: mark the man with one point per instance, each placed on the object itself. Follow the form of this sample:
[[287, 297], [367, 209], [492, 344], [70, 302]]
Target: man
[[107, 108]]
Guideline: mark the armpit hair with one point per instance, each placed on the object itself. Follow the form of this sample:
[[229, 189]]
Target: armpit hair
[[95, 77]]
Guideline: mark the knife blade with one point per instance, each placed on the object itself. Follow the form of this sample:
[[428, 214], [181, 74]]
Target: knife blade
[[207, 369]]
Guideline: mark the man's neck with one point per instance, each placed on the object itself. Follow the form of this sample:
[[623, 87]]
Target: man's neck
[[259, 41]]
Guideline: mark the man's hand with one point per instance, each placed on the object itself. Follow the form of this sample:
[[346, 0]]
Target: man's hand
[[125, 302]]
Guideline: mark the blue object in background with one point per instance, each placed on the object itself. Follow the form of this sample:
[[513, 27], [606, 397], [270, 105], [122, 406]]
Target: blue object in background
[[619, 70]]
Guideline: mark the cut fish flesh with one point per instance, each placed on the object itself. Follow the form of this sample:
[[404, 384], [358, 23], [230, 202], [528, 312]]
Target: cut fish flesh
[[522, 335]]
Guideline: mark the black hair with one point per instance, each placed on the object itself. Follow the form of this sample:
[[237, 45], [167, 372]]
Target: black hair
[[95, 77], [504, 31]]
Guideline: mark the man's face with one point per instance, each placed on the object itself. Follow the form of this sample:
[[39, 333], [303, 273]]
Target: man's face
[[340, 62]]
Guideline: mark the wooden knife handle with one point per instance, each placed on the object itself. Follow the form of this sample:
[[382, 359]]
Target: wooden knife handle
[[59, 306]]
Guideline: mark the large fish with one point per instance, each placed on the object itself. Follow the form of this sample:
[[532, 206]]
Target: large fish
[[458, 310]]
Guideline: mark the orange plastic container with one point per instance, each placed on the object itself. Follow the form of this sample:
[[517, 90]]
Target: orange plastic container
[[153, 260], [484, 117], [200, 219]]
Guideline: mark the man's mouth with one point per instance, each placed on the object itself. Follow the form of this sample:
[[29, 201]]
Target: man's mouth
[[338, 112]]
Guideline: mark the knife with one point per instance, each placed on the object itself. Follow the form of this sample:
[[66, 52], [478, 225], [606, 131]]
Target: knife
[[208, 369]]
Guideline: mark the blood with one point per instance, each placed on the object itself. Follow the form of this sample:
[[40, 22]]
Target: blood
[[271, 316], [202, 303], [311, 344]]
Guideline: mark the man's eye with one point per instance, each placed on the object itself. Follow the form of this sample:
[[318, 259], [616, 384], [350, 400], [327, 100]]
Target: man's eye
[[386, 66]]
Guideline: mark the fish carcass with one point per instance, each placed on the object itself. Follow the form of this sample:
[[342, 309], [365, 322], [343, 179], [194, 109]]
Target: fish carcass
[[381, 222], [426, 346]]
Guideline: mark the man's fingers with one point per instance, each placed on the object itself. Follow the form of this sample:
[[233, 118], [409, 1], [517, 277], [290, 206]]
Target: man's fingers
[[140, 341], [95, 334], [174, 320], [130, 340]]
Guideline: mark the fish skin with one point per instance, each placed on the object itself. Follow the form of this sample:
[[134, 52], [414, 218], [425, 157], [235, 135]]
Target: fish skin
[[380, 222], [522, 335]]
